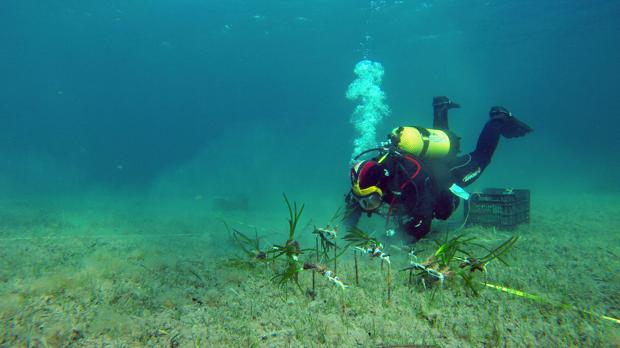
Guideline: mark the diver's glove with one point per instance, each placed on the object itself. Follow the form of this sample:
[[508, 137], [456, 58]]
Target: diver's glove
[[511, 127]]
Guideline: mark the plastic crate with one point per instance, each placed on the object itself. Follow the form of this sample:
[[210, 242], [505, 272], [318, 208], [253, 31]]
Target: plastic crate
[[500, 208]]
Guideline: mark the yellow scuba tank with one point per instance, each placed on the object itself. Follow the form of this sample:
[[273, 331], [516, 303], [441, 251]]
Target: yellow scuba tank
[[424, 142]]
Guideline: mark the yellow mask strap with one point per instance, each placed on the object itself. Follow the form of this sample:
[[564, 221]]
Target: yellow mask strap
[[361, 192]]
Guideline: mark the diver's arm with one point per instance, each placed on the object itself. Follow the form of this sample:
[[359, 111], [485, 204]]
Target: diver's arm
[[419, 226], [419, 202], [352, 212]]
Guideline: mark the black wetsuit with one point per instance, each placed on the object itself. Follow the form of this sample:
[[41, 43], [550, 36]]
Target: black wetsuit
[[417, 196]]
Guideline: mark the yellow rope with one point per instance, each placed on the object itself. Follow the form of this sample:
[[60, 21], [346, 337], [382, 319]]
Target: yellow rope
[[514, 292], [540, 299]]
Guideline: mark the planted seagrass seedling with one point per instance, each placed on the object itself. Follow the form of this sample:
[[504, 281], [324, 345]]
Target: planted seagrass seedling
[[328, 238], [437, 266], [289, 274], [366, 244], [469, 265], [291, 247], [250, 248], [322, 270], [289, 250], [453, 257]]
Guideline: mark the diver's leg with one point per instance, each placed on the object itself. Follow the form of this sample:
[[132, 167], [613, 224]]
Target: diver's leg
[[466, 169], [441, 105]]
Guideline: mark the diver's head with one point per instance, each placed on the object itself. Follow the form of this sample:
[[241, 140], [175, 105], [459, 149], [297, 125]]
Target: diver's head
[[366, 178]]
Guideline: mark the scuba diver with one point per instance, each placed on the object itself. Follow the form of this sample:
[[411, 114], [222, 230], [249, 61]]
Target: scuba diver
[[418, 174]]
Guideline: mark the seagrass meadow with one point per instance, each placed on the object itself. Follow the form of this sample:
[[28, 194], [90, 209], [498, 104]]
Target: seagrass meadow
[[97, 276], [173, 173]]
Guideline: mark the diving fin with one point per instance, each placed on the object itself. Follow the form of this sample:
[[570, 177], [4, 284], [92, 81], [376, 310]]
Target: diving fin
[[511, 127], [514, 128], [441, 102]]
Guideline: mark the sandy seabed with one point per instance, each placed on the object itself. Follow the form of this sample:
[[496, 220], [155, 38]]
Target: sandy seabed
[[93, 276]]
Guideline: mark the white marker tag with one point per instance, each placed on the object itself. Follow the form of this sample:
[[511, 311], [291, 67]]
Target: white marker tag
[[459, 191]]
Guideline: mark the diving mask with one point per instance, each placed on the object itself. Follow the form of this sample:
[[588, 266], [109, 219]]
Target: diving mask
[[367, 174], [369, 198], [370, 203]]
